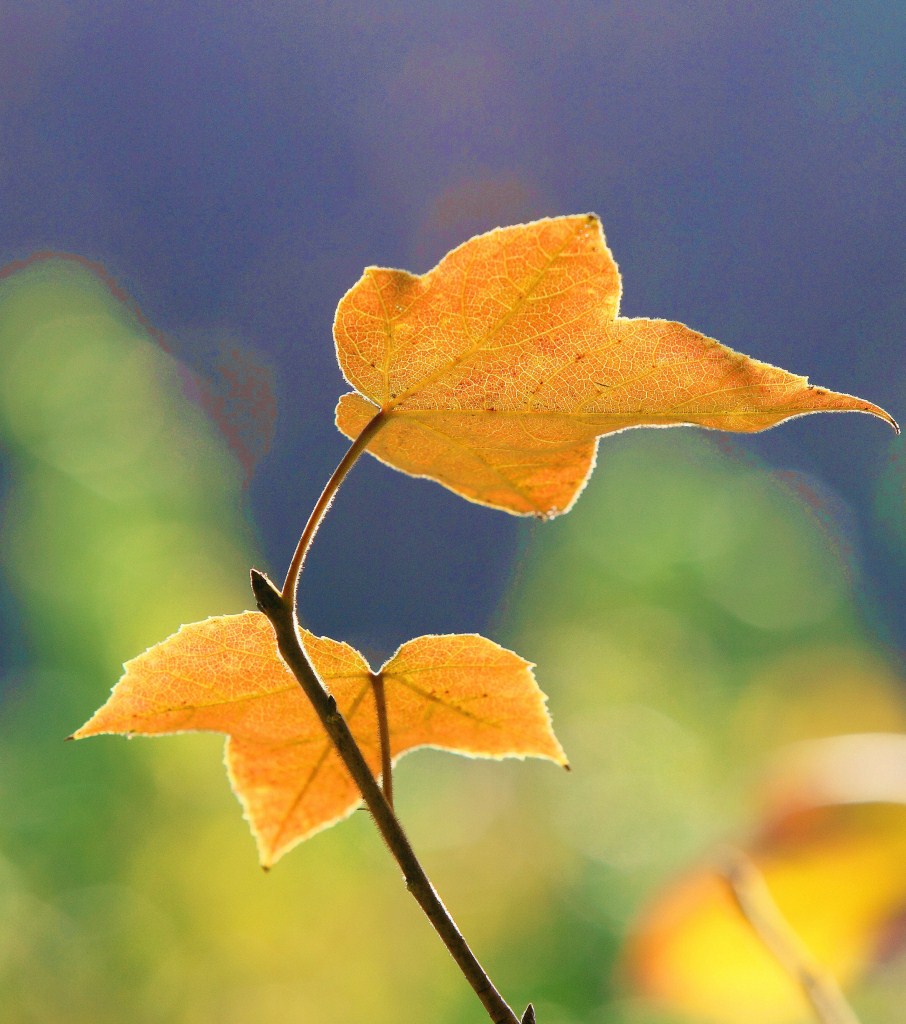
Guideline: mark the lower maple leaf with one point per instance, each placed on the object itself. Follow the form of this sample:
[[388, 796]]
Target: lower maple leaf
[[461, 693]]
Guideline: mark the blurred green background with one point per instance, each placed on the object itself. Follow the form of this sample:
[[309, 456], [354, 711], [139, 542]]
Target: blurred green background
[[692, 614]]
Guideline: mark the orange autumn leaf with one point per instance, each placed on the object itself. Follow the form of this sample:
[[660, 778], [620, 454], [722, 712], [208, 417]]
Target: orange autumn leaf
[[498, 370], [461, 693], [831, 852], [840, 887]]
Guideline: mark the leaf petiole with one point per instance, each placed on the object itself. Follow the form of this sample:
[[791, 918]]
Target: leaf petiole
[[290, 584], [380, 707]]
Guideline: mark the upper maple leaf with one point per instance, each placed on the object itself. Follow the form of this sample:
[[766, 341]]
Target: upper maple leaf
[[498, 370], [462, 693]]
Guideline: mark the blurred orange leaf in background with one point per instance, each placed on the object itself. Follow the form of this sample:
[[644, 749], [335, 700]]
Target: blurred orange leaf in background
[[498, 370], [831, 851], [461, 693]]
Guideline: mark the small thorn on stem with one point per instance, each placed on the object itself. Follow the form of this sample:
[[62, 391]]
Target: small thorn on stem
[[529, 1016]]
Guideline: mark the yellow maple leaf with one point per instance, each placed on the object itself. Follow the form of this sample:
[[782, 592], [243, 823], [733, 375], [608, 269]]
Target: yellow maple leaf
[[461, 693], [496, 372], [830, 851]]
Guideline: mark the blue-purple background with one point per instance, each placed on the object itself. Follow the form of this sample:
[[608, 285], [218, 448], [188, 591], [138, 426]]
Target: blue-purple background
[[235, 165]]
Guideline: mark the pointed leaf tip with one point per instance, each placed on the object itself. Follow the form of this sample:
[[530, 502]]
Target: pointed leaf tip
[[498, 370]]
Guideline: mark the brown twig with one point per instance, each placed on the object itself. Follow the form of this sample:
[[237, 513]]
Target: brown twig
[[291, 583], [279, 611], [280, 608], [753, 898]]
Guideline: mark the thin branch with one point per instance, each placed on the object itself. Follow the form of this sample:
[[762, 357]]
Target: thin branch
[[757, 906], [291, 583], [279, 611], [380, 707], [324, 502]]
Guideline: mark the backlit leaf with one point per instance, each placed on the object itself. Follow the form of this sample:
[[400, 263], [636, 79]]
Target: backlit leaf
[[498, 370], [831, 852], [461, 693]]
